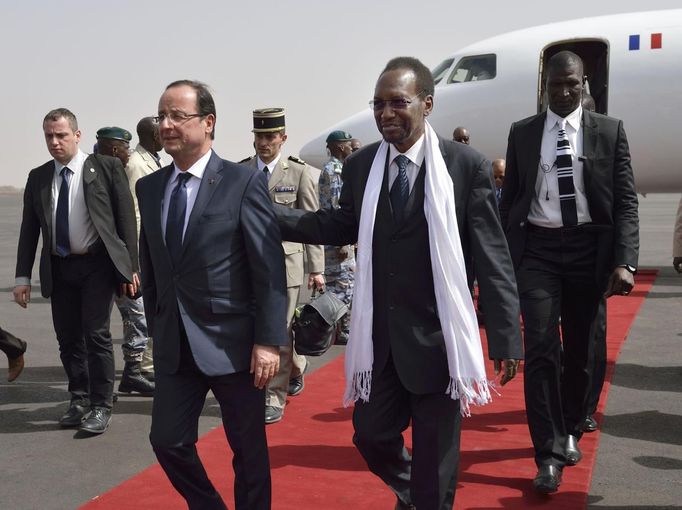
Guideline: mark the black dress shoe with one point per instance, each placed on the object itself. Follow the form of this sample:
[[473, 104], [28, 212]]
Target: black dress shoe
[[97, 421], [296, 386], [136, 383], [589, 425], [74, 416], [273, 414], [573, 453], [548, 479]]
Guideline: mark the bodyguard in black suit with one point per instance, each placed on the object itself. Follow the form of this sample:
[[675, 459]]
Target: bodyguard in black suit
[[215, 295], [410, 369], [569, 210], [83, 208]]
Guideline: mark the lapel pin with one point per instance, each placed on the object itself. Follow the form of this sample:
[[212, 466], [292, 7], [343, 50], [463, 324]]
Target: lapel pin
[[211, 181], [92, 170]]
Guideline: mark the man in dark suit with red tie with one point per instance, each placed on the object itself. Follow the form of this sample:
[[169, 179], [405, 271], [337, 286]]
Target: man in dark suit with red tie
[[215, 295], [82, 207], [569, 210]]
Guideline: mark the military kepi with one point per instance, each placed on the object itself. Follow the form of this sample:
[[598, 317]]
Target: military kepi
[[114, 133], [268, 120], [339, 136]]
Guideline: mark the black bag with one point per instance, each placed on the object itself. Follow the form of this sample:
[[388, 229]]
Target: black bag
[[315, 324]]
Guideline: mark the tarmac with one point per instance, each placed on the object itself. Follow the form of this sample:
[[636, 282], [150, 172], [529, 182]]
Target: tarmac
[[639, 460]]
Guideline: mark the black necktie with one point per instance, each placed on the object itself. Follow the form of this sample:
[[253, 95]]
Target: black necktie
[[61, 231], [400, 191], [266, 171], [175, 222], [564, 168]]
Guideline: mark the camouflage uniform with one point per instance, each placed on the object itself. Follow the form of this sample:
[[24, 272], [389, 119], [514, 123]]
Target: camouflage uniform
[[339, 260]]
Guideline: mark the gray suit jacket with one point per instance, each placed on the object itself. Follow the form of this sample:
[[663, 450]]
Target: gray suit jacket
[[229, 287], [110, 206]]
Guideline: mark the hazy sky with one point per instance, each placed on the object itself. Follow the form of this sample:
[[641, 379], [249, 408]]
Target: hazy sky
[[108, 62]]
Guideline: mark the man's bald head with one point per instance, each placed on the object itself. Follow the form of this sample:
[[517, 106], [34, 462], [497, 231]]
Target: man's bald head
[[565, 59], [461, 135], [148, 133]]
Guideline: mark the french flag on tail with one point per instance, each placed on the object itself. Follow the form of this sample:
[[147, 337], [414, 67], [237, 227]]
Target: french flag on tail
[[656, 41]]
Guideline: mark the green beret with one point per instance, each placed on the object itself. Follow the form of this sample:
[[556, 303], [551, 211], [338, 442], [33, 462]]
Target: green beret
[[339, 136], [114, 133], [268, 120]]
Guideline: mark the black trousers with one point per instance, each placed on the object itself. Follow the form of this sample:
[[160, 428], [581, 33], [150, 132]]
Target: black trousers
[[556, 280], [82, 297], [11, 345], [598, 363], [428, 479], [178, 401]]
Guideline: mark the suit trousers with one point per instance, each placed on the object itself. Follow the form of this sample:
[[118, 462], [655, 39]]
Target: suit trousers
[[427, 479], [291, 364], [557, 285], [178, 401], [82, 298], [12, 346], [598, 362]]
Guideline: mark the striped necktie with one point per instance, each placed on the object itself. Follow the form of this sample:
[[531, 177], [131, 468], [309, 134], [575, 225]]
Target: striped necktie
[[564, 165]]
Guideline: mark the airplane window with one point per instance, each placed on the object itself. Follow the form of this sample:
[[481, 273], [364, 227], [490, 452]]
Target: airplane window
[[441, 69], [475, 68]]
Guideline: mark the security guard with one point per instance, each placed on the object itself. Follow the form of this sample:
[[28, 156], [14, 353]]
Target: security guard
[[339, 261], [291, 183]]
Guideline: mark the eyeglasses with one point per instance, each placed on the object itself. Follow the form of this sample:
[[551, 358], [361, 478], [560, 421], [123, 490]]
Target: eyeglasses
[[176, 117], [396, 104]]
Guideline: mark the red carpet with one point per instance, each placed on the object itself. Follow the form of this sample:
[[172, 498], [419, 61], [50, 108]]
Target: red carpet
[[315, 465]]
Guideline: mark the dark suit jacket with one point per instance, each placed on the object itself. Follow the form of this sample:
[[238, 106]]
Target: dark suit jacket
[[609, 186], [230, 284], [405, 311], [109, 204]]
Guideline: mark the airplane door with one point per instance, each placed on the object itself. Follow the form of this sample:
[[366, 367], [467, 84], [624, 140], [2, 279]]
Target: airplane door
[[595, 55]]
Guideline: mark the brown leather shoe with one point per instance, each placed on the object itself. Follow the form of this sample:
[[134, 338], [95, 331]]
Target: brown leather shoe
[[16, 365]]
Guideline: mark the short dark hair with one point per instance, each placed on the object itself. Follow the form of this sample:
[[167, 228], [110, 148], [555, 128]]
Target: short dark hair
[[58, 113], [563, 59], [425, 83], [205, 103]]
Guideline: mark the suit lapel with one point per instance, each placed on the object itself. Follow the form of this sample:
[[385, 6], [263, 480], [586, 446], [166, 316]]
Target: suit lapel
[[156, 200], [278, 174], [531, 157], [590, 134], [209, 183], [45, 183]]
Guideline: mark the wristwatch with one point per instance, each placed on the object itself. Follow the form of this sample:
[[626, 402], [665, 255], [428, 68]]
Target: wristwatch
[[631, 269]]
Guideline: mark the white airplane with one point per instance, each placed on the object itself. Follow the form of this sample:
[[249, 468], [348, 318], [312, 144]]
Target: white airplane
[[633, 63]]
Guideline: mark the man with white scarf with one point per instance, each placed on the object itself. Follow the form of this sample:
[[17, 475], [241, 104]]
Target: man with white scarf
[[414, 355]]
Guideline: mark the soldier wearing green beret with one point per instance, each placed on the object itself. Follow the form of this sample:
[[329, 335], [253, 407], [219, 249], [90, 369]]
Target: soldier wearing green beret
[[339, 261], [291, 183], [115, 141]]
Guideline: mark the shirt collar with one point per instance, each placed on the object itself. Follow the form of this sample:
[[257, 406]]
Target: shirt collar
[[271, 165], [415, 153], [197, 169], [573, 119], [74, 165]]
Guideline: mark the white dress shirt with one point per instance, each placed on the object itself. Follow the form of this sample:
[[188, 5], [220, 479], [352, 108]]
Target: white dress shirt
[[192, 185], [82, 232], [545, 208], [271, 165], [416, 156]]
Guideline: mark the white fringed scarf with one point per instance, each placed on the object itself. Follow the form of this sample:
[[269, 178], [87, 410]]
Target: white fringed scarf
[[468, 381]]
